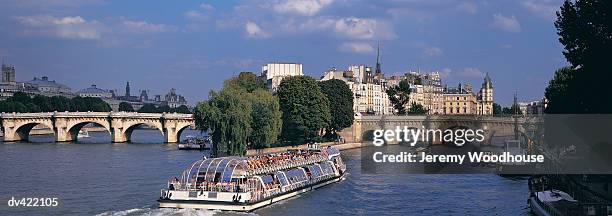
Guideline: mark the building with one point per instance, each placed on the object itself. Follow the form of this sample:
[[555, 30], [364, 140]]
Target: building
[[44, 86], [94, 91], [533, 107], [426, 91], [8, 74], [8, 86], [276, 72], [463, 101], [174, 100], [369, 89]]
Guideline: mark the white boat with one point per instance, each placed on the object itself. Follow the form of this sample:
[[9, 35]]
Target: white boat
[[83, 134], [553, 202], [194, 143], [248, 183]]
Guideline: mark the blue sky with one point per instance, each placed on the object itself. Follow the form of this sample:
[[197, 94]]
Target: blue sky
[[194, 45]]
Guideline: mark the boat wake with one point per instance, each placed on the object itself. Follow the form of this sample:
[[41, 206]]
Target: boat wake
[[160, 212]]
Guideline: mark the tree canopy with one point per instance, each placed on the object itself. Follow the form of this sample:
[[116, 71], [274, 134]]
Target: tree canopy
[[305, 109], [126, 107], [152, 108], [340, 99], [417, 108], [242, 115], [21, 102], [399, 96], [584, 31]]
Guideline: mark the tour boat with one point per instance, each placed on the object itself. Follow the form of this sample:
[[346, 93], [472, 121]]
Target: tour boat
[[247, 183], [83, 134]]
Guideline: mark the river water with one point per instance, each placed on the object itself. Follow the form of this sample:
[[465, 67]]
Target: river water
[[94, 177]]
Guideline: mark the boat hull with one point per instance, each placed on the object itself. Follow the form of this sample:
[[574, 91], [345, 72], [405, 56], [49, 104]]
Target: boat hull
[[242, 207]]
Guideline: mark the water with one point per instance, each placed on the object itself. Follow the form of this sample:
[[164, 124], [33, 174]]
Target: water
[[94, 177]]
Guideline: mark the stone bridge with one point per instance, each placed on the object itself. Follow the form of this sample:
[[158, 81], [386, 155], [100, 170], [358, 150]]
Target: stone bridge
[[120, 125], [363, 126]]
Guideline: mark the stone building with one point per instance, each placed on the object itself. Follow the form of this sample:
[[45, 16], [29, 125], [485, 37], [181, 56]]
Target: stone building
[[463, 101]]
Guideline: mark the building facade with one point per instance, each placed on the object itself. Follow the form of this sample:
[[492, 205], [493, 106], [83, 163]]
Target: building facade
[[276, 72], [463, 101]]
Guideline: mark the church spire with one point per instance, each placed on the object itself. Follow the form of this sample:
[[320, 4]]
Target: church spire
[[378, 70]]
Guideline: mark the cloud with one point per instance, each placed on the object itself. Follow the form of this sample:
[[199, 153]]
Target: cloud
[[542, 8], [206, 7], [356, 47], [346, 27], [302, 7], [429, 50], [445, 72], [471, 72], [145, 27], [468, 7], [509, 24], [69, 27], [433, 51], [253, 30]]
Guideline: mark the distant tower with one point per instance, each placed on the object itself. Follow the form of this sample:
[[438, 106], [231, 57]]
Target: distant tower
[[8, 73], [127, 89], [486, 95], [378, 69]]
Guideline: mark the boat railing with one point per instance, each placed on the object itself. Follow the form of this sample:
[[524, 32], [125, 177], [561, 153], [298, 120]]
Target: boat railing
[[282, 165]]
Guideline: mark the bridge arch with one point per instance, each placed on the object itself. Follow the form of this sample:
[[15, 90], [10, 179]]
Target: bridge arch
[[128, 129], [74, 128], [21, 131]]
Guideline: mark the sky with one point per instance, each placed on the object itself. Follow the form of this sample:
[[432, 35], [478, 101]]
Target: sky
[[194, 45]]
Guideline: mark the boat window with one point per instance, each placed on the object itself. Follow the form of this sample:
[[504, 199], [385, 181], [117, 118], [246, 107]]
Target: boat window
[[282, 178]]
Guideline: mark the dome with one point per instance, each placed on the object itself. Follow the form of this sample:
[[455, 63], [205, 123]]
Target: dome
[[92, 90]]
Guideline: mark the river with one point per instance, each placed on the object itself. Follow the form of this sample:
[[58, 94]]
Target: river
[[95, 177]]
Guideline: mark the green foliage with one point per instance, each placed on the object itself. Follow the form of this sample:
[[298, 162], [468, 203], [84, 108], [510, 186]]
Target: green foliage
[[418, 109], [242, 115], [399, 96], [266, 118], [21, 102], [227, 115], [126, 107], [497, 109], [305, 109], [562, 99], [513, 110], [340, 99], [584, 30], [151, 108], [247, 81]]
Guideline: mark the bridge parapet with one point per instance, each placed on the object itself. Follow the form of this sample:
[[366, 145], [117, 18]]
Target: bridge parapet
[[26, 115]]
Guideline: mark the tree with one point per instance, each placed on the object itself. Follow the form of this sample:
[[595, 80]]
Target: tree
[[561, 98], [148, 108], [126, 107], [585, 32], [266, 119], [399, 96], [497, 109], [242, 115], [182, 109], [305, 109], [227, 115], [340, 99], [416, 108], [247, 81]]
